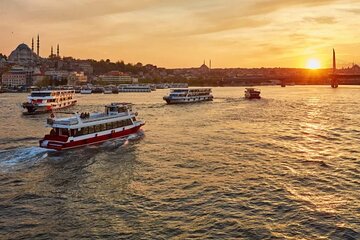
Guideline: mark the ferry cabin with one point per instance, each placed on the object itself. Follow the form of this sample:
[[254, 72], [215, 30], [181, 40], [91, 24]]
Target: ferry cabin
[[84, 129]]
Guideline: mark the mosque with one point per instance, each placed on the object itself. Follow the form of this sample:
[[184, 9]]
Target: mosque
[[26, 56]]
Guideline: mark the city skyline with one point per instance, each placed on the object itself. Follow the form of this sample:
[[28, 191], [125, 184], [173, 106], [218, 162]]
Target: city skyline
[[183, 33]]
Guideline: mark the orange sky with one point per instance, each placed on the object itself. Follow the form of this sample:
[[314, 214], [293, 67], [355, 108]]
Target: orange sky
[[182, 33]]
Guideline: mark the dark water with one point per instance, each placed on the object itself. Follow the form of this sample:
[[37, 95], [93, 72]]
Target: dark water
[[284, 167]]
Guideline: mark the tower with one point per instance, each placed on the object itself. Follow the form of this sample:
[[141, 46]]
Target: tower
[[32, 44], [38, 45], [334, 81], [334, 61], [58, 51], [52, 52]]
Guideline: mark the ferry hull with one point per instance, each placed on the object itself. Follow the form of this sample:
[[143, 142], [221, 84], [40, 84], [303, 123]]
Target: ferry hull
[[33, 109], [64, 145], [187, 100]]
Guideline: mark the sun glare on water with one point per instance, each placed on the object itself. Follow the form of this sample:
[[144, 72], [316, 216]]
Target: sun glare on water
[[313, 63]]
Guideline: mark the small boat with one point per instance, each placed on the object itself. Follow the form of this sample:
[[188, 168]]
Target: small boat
[[85, 91], [107, 91], [49, 100], [188, 95], [98, 90], [79, 130], [115, 90], [252, 93]]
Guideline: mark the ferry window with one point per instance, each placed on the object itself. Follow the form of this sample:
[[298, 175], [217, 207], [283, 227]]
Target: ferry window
[[77, 132], [97, 128], [103, 127], [115, 124], [91, 129], [65, 132], [40, 94], [85, 130], [53, 132], [108, 126]]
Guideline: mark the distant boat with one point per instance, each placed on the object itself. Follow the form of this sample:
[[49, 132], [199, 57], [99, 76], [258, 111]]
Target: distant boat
[[252, 93], [135, 88], [85, 91], [107, 91], [98, 90], [188, 95]]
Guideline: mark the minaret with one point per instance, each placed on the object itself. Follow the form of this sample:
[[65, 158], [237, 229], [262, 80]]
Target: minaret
[[58, 51], [334, 61], [52, 52], [334, 80], [210, 63], [32, 44], [38, 45]]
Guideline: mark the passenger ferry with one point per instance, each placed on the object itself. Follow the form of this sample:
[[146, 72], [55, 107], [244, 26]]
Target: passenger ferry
[[188, 95], [252, 93], [117, 121], [49, 100]]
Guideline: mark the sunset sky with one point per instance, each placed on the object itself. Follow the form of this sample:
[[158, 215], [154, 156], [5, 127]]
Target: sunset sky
[[182, 33]]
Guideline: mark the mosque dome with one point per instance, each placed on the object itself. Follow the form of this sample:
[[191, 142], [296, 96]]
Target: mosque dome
[[22, 55]]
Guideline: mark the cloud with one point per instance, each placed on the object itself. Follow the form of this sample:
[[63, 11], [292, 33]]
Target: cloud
[[321, 20], [179, 32]]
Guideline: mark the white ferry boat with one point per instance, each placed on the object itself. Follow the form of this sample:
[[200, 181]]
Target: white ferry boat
[[188, 95], [134, 88], [252, 93], [85, 91], [117, 121], [49, 100]]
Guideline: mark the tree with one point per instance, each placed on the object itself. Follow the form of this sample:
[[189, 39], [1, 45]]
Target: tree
[[46, 81]]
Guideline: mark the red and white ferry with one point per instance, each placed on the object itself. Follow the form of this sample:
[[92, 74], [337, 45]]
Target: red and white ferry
[[117, 121], [49, 100]]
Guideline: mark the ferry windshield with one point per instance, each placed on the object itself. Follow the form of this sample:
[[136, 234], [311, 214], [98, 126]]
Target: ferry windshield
[[40, 94]]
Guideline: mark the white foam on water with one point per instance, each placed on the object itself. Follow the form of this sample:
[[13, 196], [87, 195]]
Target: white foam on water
[[17, 156]]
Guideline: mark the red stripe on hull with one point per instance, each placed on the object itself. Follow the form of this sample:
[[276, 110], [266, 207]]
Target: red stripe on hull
[[98, 139]]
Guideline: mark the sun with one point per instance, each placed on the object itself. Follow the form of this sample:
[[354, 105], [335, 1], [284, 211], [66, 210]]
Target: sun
[[313, 63]]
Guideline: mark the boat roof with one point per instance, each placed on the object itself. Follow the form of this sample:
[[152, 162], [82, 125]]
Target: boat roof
[[187, 89], [114, 104], [50, 91]]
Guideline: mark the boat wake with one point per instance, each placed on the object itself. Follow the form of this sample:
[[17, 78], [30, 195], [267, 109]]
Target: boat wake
[[22, 156]]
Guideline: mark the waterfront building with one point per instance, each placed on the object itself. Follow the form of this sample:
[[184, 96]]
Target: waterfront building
[[86, 68], [76, 78], [117, 77], [57, 75], [17, 76]]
